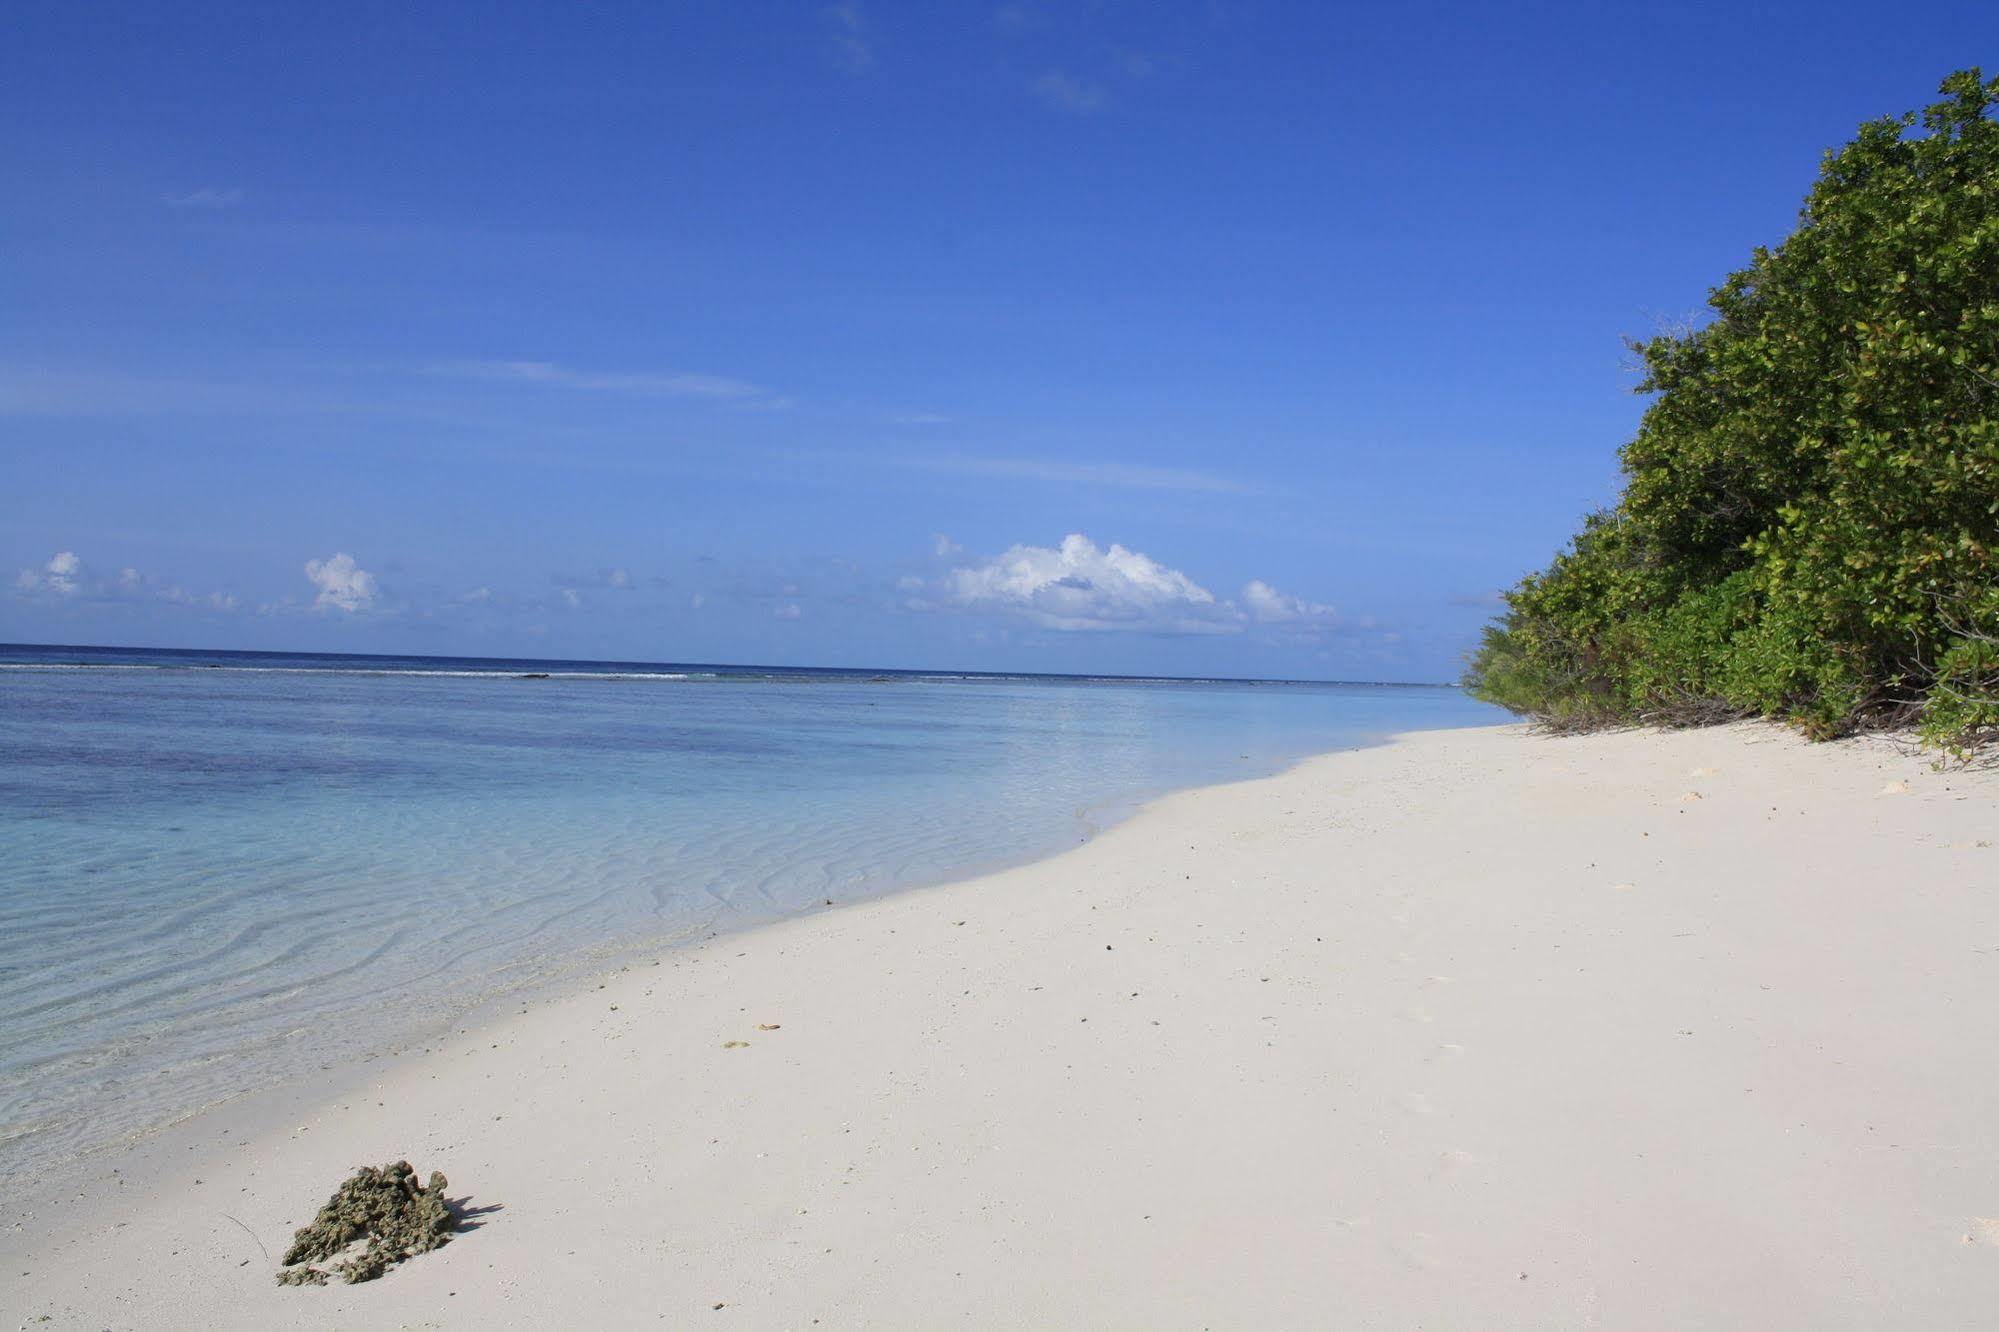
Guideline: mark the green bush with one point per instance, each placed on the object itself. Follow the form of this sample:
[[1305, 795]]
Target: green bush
[[1810, 521]]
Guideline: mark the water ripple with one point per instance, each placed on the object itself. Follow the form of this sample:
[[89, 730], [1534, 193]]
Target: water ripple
[[212, 879]]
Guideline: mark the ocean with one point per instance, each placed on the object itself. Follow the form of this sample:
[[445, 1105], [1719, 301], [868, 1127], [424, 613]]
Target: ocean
[[220, 870]]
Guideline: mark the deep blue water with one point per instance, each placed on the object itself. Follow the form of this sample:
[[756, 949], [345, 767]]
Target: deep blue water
[[218, 869]]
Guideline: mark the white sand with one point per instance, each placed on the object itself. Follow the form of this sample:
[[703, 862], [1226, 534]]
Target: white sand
[[1477, 1030]]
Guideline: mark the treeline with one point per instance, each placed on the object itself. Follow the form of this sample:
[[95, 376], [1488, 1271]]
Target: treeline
[[1810, 521]]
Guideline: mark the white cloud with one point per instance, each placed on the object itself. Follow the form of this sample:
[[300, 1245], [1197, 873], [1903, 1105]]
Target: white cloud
[[61, 576], [1115, 475], [1266, 605], [850, 42], [38, 391], [1067, 93], [1135, 64], [571, 598], [62, 570], [208, 197], [650, 384], [945, 547], [65, 576], [619, 580], [343, 585], [1081, 586], [788, 611], [696, 602]]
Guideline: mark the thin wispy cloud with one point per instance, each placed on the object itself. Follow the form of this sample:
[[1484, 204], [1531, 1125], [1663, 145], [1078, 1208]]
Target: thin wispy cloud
[[40, 392], [1133, 64], [206, 198], [1044, 471], [1065, 92], [1114, 475], [852, 50], [644, 383], [302, 392], [617, 580]]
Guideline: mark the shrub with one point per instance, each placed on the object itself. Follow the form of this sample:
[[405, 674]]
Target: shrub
[[1810, 521]]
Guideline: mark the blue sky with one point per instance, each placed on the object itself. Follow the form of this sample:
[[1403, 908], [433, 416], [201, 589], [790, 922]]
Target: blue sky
[[1208, 338]]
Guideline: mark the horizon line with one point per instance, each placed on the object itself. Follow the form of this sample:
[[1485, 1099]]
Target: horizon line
[[734, 666]]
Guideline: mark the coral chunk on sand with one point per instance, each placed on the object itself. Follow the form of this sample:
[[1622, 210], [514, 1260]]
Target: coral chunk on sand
[[385, 1206]]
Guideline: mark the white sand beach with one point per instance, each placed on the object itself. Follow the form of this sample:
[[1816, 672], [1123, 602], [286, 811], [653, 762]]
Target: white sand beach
[[1474, 1030]]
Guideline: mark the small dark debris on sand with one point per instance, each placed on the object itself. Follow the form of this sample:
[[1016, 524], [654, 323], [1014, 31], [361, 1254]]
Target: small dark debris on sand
[[385, 1206]]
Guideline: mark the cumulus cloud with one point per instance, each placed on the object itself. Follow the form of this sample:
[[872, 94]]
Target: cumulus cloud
[[66, 578], [1266, 605], [1082, 586], [60, 577], [788, 611], [343, 585], [131, 585]]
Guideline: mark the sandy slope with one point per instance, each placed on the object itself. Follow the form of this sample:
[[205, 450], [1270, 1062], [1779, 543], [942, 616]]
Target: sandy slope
[[1476, 1030]]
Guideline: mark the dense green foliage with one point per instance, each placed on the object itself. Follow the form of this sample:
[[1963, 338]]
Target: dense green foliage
[[1810, 520]]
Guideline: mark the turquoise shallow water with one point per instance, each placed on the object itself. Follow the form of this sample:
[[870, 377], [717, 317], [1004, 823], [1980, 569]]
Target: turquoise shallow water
[[220, 869]]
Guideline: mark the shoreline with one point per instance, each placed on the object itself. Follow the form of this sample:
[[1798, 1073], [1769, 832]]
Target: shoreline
[[1268, 1104], [533, 981]]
